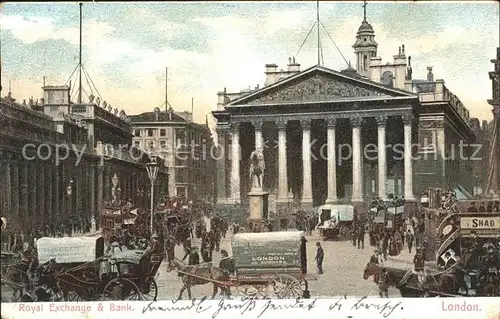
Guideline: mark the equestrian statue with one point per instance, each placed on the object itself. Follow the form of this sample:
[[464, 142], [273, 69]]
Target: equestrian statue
[[257, 167]]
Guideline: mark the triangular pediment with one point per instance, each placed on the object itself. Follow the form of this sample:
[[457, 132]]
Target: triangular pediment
[[319, 84]]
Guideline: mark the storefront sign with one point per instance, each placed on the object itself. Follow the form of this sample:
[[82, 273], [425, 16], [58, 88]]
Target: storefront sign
[[480, 222]]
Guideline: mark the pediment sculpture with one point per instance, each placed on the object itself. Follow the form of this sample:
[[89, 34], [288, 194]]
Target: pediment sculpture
[[317, 88]]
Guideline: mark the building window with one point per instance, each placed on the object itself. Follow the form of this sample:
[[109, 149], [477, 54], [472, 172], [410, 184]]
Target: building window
[[181, 161], [163, 132], [163, 144], [181, 192], [365, 62], [150, 132], [180, 136], [137, 143], [181, 175], [151, 144], [137, 132]]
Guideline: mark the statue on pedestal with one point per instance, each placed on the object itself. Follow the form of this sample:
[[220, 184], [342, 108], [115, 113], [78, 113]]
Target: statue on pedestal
[[257, 167]]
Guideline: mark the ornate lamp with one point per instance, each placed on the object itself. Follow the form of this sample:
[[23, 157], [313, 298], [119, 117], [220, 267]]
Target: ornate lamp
[[69, 189], [152, 169]]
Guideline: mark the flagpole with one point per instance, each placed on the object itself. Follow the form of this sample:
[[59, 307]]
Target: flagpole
[[317, 24]]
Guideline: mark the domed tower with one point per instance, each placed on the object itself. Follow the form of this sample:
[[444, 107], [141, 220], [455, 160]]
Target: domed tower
[[365, 47]]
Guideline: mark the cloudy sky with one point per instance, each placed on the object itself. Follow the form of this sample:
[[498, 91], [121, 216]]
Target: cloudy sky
[[209, 46]]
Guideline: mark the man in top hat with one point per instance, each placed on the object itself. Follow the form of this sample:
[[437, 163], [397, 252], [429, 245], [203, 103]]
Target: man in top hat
[[418, 260], [226, 263], [194, 257], [375, 258], [155, 246], [170, 248]]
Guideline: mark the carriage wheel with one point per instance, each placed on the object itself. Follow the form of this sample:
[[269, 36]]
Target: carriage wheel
[[490, 290], [121, 289], [74, 296], [255, 291], [286, 287], [149, 290]]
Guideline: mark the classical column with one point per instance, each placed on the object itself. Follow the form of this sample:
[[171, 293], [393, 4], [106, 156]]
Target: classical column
[[14, 171], [282, 164], [357, 166], [5, 187], [382, 157], [306, 162], [48, 185], [42, 191], [34, 188], [235, 163], [23, 191], [332, 162], [100, 191], [259, 140], [408, 187], [92, 209], [221, 166]]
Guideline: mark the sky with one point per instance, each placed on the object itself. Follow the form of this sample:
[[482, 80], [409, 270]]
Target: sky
[[211, 45]]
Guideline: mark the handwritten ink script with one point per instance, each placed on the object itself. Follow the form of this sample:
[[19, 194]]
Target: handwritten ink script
[[264, 308], [385, 309]]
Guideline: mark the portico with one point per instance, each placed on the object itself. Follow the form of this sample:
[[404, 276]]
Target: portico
[[326, 136]]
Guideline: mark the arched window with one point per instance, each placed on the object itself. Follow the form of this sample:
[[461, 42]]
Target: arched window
[[365, 62], [387, 78]]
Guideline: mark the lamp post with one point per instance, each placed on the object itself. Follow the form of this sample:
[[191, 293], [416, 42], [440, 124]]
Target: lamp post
[[69, 191], [152, 168]]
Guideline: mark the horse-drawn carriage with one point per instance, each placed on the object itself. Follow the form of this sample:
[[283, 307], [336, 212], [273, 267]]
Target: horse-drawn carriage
[[79, 269], [334, 221], [265, 265], [467, 255]]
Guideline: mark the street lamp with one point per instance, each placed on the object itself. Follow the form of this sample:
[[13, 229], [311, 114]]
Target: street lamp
[[152, 168], [69, 191]]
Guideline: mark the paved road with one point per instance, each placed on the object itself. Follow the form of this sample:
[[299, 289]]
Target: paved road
[[343, 268]]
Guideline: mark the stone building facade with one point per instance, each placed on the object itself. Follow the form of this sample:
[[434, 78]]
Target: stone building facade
[[55, 167], [493, 177], [303, 119], [185, 147]]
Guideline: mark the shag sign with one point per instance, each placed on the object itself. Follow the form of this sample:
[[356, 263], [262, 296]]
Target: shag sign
[[480, 222]]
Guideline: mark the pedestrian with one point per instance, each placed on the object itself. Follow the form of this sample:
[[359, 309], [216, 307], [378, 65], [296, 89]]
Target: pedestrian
[[353, 234], [194, 257], [361, 237], [170, 248], [319, 258], [385, 244], [383, 287], [409, 240]]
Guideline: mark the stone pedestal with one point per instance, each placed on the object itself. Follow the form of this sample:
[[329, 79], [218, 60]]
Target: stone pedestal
[[258, 203]]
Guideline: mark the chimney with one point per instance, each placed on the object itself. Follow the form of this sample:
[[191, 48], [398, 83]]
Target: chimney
[[292, 66], [485, 125], [271, 68], [271, 74], [157, 114], [409, 70], [430, 75]]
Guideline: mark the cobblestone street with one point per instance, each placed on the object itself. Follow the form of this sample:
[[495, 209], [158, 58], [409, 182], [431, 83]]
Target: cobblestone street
[[343, 270]]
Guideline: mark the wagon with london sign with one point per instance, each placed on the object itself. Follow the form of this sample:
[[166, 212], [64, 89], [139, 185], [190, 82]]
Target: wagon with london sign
[[268, 265]]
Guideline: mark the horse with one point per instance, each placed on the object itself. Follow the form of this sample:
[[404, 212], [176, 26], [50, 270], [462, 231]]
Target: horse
[[16, 277], [452, 280], [395, 277], [211, 273]]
